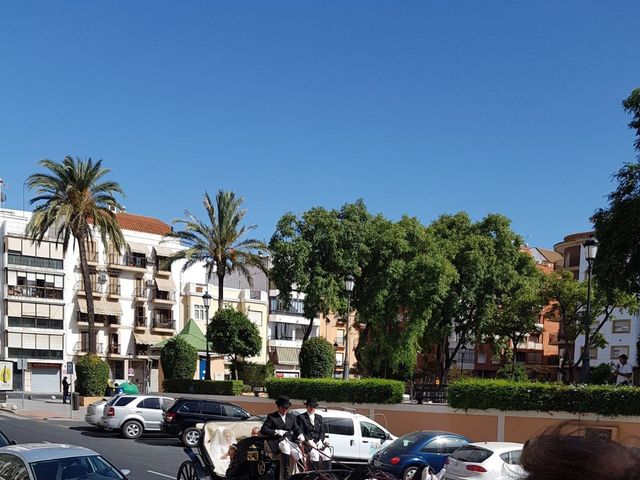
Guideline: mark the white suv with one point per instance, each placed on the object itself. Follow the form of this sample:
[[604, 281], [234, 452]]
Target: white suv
[[354, 437], [134, 414]]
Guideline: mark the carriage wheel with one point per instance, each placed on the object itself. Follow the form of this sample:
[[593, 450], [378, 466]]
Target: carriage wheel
[[187, 471], [261, 468]]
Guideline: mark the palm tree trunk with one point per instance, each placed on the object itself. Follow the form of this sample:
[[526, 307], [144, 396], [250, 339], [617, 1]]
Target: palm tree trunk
[[307, 331], [220, 290], [88, 290]]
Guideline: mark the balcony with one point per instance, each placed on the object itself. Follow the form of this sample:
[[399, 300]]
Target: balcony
[[127, 262], [340, 341], [161, 323], [36, 263], [140, 294], [92, 258], [95, 289], [114, 349], [160, 296], [47, 293], [113, 322], [557, 340], [113, 290], [140, 323], [82, 348]]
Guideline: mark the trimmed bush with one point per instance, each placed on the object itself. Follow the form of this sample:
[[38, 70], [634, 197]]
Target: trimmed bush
[[601, 375], [255, 374], [317, 358], [209, 387], [179, 359], [370, 390], [93, 376], [544, 397]]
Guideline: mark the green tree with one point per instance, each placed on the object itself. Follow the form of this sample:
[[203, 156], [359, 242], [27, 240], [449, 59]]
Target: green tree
[[317, 358], [313, 253], [219, 243], [74, 200], [232, 333], [179, 359], [93, 375]]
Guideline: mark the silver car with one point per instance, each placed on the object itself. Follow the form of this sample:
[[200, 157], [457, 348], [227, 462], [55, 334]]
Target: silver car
[[135, 414], [95, 411], [48, 461]]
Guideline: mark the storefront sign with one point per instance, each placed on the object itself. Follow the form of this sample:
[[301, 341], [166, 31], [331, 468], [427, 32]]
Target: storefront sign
[[6, 375]]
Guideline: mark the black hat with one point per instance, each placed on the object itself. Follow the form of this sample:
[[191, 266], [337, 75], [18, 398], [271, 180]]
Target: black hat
[[311, 402], [283, 401]]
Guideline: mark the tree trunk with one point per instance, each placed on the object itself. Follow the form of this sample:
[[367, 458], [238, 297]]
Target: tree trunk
[[220, 290], [88, 290], [307, 331]]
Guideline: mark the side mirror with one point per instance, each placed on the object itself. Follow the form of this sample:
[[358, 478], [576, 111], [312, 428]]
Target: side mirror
[[125, 471], [387, 436], [13, 442]]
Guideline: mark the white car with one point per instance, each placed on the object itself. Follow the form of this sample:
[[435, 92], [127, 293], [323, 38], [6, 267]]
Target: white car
[[480, 460], [354, 437], [135, 414], [95, 411]]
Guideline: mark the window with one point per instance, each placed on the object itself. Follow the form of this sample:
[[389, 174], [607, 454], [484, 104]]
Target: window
[[619, 350], [338, 426], [211, 408], [512, 457], [122, 401], [451, 444], [12, 468], [166, 403], [277, 305], [472, 454], [593, 353], [371, 430], [339, 359], [432, 446], [189, 406], [153, 403], [199, 312], [340, 337], [482, 357], [621, 326], [118, 370], [235, 411]]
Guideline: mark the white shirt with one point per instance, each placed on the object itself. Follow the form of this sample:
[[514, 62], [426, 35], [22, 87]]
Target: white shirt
[[312, 418], [626, 368]]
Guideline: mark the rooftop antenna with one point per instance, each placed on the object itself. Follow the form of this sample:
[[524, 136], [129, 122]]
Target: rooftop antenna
[[3, 197]]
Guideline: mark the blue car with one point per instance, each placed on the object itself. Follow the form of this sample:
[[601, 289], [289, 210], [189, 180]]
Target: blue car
[[413, 451]]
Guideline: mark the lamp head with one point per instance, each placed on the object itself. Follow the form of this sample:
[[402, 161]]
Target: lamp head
[[206, 298], [591, 248], [348, 283]]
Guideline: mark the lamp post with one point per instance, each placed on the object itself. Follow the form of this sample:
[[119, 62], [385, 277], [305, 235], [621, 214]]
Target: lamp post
[[464, 350], [335, 359], [591, 250], [206, 298], [348, 286]]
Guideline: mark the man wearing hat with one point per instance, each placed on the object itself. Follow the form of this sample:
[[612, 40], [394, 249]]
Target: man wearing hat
[[311, 426], [281, 429]]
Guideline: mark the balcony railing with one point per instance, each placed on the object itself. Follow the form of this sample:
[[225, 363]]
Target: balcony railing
[[95, 288], [111, 320], [161, 295], [140, 292], [340, 341], [127, 261], [140, 321], [160, 322], [83, 347], [113, 289], [36, 292], [36, 262], [114, 349]]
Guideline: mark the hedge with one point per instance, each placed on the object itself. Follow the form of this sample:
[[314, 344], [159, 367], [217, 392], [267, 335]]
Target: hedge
[[209, 387], [179, 359], [371, 390], [544, 397], [93, 376], [317, 358]]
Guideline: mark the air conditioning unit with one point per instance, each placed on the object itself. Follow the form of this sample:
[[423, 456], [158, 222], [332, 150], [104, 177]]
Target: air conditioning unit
[[150, 283]]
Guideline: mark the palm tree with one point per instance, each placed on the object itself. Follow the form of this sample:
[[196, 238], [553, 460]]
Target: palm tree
[[219, 244], [72, 196]]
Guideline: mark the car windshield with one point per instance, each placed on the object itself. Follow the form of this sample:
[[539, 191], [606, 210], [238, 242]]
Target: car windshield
[[85, 468], [407, 441], [4, 441]]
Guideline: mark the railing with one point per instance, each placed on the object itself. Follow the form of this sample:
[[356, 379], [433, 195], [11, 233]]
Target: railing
[[113, 289], [84, 347], [140, 292], [160, 322], [112, 320], [140, 321], [95, 288], [114, 349], [36, 292], [254, 295], [340, 341], [37, 262], [127, 261], [92, 257], [428, 392], [162, 295]]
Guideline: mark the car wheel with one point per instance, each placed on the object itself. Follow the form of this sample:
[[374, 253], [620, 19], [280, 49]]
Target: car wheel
[[132, 429], [190, 437], [409, 473]]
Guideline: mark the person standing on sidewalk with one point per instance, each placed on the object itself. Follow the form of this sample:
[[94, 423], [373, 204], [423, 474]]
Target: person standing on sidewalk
[[623, 371], [65, 390]]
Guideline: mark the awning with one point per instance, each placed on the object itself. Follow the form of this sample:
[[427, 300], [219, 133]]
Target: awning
[[287, 355], [165, 284], [101, 307], [148, 338], [163, 251], [138, 248]]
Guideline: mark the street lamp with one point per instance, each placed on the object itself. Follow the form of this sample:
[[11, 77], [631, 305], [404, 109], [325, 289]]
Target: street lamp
[[335, 357], [206, 298], [591, 250], [464, 350], [348, 286]]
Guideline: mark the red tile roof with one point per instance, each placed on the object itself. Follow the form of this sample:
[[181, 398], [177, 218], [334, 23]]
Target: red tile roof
[[138, 223]]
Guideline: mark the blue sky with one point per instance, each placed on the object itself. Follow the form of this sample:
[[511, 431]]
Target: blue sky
[[420, 107]]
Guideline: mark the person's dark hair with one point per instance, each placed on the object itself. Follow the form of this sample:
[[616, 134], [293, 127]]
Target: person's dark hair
[[574, 451], [624, 356]]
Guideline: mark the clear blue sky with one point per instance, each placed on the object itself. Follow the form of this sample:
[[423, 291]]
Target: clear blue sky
[[423, 107]]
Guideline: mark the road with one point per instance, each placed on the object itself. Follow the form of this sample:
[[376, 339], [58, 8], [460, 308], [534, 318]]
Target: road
[[151, 457]]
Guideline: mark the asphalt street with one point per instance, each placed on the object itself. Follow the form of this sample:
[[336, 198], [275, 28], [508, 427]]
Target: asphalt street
[[152, 457]]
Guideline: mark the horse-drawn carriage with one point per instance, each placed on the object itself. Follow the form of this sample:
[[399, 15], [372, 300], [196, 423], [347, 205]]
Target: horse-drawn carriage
[[229, 451]]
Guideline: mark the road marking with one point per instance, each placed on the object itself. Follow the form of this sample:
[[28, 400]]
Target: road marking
[[161, 474]]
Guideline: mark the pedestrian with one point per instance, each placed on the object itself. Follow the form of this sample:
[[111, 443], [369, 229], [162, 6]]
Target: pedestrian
[[623, 371], [311, 425], [281, 429], [65, 390]]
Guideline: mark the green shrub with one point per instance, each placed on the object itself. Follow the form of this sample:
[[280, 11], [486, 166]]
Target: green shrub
[[518, 374], [370, 390], [317, 358], [255, 374], [93, 376], [544, 397], [179, 359], [210, 387], [601, 375]]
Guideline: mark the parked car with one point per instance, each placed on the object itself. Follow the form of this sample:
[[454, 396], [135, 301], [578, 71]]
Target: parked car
[[494, 460], [95, 411], [4, 441], [354, 437], [180, 419], [47, 461], [413, 451], [135, 414]]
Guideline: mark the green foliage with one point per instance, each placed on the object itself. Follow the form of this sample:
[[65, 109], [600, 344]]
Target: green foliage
[[544, 397], [179, 359], [317, 358], [371, 390], [93, 376], [512, 372], [601, 375], [203, 387], [255, 374]]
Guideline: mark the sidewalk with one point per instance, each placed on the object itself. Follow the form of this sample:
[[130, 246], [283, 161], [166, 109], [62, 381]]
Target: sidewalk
[[44, 409]]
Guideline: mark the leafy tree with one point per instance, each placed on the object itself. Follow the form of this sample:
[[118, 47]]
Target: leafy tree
[[93, 375], [317, 358], [219, 244], [75, 201], [313, 253], [232, 333], [179, 359]]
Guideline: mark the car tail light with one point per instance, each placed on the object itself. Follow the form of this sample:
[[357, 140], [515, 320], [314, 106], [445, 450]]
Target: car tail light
[[169, 416], [394, 460], [111, 412], [447, 462], [476, 468]]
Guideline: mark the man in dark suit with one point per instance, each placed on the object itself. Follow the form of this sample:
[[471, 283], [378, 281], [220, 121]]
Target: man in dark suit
[[282, 430], [311, 426]]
